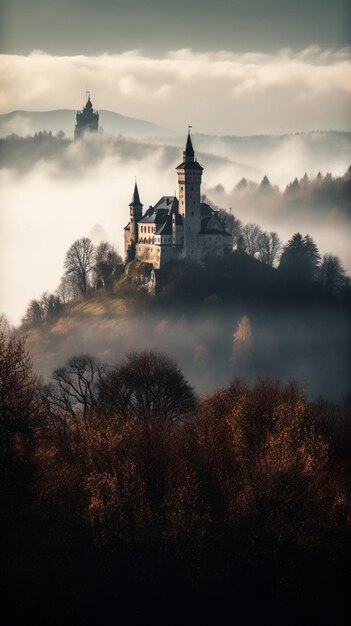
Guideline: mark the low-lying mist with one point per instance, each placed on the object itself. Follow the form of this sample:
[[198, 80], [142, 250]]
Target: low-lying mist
[[54, 194], [211, 346]]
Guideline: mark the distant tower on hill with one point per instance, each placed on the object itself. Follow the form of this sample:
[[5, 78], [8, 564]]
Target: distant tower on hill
[[86, 120]]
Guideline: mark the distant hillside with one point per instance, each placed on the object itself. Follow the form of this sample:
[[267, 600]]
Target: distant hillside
[[328, 151], [196, 318], [28, 122]]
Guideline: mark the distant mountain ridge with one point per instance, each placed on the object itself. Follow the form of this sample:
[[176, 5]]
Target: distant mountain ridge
[[29, 122], [25, 123]]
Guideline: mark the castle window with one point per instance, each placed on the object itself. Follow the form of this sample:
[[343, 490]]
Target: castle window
[[192, 213]]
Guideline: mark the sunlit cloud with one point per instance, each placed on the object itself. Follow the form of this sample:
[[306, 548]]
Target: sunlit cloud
[[219, 92]]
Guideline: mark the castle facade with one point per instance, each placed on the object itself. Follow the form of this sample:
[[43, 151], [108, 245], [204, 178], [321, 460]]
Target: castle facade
[[185, 229]]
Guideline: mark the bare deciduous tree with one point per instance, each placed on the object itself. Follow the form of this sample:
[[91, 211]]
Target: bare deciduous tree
[[332, 275], [73, 393], [79, 264], [147, 385], [232, 224], [106, 260], [21, 402], [251, 234], [5, 326], [269, 248], [34, 313], [48, 306]]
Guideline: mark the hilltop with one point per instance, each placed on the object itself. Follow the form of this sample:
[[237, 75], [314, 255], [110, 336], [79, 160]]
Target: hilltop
[[324, 150], [29, 122], [232, 317]]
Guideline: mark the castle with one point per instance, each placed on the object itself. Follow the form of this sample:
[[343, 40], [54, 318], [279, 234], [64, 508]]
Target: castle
[[185, 229], [86, 120]]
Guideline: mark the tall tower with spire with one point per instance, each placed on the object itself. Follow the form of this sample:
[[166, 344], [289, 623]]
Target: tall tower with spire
[[86, 120], [135, 213], [131, 230], [189, 179]]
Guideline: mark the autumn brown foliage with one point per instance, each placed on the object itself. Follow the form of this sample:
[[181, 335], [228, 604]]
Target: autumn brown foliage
[[247, 499]]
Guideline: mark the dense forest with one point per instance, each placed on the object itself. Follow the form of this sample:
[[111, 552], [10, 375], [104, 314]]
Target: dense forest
[[124, 495]]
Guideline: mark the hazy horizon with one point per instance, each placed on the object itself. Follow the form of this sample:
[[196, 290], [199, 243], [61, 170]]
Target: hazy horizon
[[239, 68], [217, 92]]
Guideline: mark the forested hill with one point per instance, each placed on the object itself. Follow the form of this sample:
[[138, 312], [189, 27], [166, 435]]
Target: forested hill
[[233, 317], [29, 122]]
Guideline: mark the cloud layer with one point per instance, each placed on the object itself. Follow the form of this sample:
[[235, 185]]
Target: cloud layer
[[218, 92]]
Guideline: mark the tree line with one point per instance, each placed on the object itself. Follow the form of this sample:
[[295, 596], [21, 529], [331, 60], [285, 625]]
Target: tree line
[[299, 259], [121, 490], [322, 191], [87, 267]]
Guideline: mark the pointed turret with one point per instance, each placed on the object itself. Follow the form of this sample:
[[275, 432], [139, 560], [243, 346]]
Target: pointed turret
[[135, 199], [135, 214], [89, 104], [189, 154]]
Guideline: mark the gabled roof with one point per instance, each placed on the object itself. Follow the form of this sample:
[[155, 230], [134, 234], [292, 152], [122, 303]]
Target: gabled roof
[[159, 213], [206, 210], [211, 225], [167, 202], [166, 227], [154, 217]]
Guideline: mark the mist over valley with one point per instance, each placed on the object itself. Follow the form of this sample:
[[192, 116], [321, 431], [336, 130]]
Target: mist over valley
[[175, 307]]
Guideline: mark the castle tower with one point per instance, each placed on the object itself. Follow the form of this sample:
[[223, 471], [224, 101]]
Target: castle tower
[[189, 180], [86, 120], [136, 211]]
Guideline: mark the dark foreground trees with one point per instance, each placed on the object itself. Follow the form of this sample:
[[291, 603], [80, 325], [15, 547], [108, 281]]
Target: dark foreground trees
[[244, 509], [21, 402], [332, 275], [72, 394], [300, 259], [147, 386]]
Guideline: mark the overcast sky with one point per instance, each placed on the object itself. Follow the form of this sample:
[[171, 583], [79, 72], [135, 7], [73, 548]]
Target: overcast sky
[[157, 26], [225, 66], [216, 92]]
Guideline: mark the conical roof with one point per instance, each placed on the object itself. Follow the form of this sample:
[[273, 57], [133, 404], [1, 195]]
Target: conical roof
[[189, 150], [135, 198], [189, 161]]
